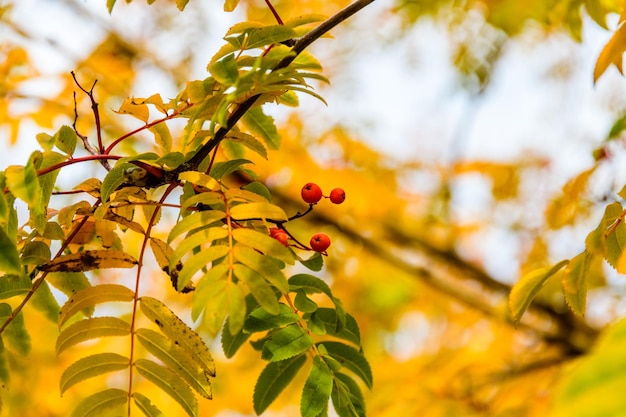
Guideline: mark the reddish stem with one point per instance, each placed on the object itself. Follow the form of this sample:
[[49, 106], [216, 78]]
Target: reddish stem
[[274, 12], [75, 161]]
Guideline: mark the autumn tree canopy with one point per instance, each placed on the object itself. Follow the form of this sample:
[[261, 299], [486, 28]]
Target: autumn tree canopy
[[312, 208]]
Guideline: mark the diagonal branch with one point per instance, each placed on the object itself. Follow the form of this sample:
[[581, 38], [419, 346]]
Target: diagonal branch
[[300, 45]]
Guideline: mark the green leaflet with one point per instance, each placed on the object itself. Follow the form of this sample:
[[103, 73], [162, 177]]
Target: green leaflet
[[44, 301], [110, 402], [15, 335], [91, 366], [264, 244], [35, 252], [231, 343], [145, 405], [196, 240], [92, 328], [262, 125], [304, 303], [248, 141], [267, 35], [264, 265], [347, 396], [12, 285], [176, 359], [273, 380], [574, 283], [91, 296], [260, 320], [65, 139], [311, 284], [236, 307], [286, 343], [258, 286], [594, 387], [222, 169], [114, 179], [209, 293], [170, 383], [266, 211], [225, 70], [9, 256], [199, 261], [197, 220], [351, 359], [178, 332], [527, 288], [350, 332], [317, 389]]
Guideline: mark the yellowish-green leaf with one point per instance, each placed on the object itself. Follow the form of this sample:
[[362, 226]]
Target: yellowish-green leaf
[[65, 139], [259, 287], [170, 383], [575, 284], [257, 211], [12, 285], [92, 328], [209, 296], [199, 178], [197, 220], [92, 296], [264, 243], [162, 136], [9, 256], [110, 402], [267, 267], [181, 4], [176, 359], [145, 405], [527, 287], [91, 366], [199, 261], [88, 260], [178, 332], [236, 307], [262, 125], [202, 237], [22, 182], [15, 335]]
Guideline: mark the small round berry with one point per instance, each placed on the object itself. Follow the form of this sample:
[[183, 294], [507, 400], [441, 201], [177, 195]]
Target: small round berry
[[320, 242], [274, 230], [337, 195], [311, 193], [282, 238]]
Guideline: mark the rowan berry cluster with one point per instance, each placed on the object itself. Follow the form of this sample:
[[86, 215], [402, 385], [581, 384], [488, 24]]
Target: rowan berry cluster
[[311, 193]]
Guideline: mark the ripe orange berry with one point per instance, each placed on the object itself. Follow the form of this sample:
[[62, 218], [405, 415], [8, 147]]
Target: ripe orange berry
[[282, 238], [274, 230], [311, 193], [337, 195], [320, 242]]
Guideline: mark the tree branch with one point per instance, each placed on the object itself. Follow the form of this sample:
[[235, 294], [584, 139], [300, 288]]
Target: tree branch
[[300, 45]]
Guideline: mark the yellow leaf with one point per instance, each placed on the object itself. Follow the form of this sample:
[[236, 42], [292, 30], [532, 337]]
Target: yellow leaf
[[91, 296], [135, 109], [612, 51], [88, 260]]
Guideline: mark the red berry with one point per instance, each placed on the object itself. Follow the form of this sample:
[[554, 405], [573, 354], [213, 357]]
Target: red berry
[[282, 237], [311, 193], [320, 242], [274, 230], [338, 195]]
